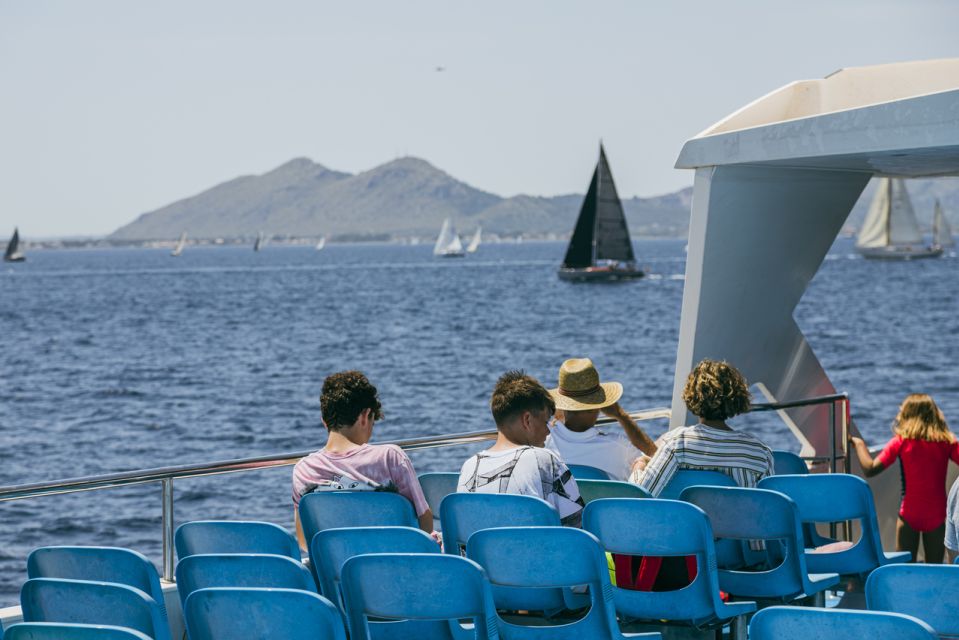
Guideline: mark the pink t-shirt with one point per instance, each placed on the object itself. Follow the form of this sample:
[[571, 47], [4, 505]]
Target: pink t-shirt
[[365, 468], [923, 466]]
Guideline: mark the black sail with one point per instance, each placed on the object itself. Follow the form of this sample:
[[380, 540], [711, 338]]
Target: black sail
[[13, 245], [579, 255], [611, 235]]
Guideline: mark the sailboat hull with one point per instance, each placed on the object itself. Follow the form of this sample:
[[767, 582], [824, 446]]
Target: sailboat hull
[[600, 274], [19, 258], [899, 252]]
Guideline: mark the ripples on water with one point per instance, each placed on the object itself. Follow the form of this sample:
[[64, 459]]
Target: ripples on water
[[124, 359]]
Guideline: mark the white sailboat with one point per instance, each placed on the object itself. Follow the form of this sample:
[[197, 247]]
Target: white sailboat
[[475, 242], [321, 244], [941, 232], [891, 230], [178, 249], [448, 244]]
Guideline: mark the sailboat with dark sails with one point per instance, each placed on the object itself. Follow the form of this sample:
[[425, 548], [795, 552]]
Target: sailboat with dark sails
[[13, 253], [600, 249]]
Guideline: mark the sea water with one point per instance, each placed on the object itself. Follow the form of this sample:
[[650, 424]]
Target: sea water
[[121, 359]]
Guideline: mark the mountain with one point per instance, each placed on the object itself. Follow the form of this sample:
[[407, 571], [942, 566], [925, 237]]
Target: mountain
[[405, 197]]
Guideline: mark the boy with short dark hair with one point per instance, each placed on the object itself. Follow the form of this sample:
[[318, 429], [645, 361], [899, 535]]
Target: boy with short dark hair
[[517, 462]]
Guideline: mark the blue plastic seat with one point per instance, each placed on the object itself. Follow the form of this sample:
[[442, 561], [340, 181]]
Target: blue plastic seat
[[331, 548], [241, 570], [467, 513], [757, 514], [664, 528], [436, 486], [261, 614], [234, 536], [776, 623], [597, 489], [550, 557], [929, 592], [788, 463], [834, 497], [694, 477], [586, 472], [62, 631], [339, 509], [88, 602], [415, 586], [101, 564]]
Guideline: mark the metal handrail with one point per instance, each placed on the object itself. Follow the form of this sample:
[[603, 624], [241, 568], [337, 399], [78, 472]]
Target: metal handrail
[[166, 475]]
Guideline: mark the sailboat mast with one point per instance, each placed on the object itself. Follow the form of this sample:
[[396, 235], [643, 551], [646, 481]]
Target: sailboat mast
[[599, 198], [888, 210]]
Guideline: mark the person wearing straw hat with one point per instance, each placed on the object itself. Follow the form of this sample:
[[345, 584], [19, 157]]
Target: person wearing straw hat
[[574, 436]]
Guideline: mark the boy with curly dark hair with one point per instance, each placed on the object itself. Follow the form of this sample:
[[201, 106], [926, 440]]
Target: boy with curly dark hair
[[350, 405]]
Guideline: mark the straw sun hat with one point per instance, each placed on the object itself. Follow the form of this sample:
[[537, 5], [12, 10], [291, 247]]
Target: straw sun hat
[[580, 389]]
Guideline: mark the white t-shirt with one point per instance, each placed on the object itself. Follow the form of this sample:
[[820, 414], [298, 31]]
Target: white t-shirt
[[603, 447], [528, 471]]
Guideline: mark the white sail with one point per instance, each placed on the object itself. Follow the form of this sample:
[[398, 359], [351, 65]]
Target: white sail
[[903, 226], [941, 232], [475, 242], [448, 243], [891, 220], [875, 229], [178, 249], [321, 243]]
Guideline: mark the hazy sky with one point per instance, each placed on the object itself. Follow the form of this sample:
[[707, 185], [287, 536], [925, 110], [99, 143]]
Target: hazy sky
[[109, 109]]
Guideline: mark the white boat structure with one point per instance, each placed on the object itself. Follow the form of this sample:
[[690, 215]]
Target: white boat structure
[[13, 253], [475, 242], [448, 243], [891, 230], [941, 231], [178, 249], [321, 244]]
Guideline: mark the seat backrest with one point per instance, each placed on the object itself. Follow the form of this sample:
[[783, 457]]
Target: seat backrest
[[340, 509], [586, 472], [774, 623], [290, 614], [63, 631], [436, 486], [241, 570], [466, 513], [416, 586], [99, 564], [548, 557], [756, 514], [234, 536], [692, 477], [331, 548], [927, 591], [657, 527], [788, 463], [596, 489], [834, 497], [88, 602]]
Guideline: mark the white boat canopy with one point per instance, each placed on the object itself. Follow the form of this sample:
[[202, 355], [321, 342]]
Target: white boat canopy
[[774, 183]]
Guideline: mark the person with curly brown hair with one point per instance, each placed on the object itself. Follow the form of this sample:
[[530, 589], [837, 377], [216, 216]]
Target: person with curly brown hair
[[349, 405], [714, 392]]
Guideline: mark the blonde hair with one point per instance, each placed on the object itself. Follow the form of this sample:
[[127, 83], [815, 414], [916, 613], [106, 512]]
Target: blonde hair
[[716, 391], [920, 419]]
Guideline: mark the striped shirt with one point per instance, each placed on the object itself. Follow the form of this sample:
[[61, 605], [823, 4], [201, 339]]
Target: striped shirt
[[739, 455]]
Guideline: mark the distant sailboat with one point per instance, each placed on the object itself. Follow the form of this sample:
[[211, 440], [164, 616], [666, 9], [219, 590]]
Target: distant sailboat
[[260, 241], [13, 253], [475, 242], [941, 233], [321, 244], [891, 230], [448, 244], [178, 249], [600, 249]]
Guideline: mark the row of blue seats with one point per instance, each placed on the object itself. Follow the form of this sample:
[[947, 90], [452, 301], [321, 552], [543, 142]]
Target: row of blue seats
[[485, 509]]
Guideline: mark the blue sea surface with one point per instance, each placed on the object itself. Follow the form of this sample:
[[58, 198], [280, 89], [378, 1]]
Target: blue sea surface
[[124, 359]]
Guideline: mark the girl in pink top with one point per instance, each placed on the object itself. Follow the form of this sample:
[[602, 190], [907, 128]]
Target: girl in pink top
[[348, 462], [924, 445]]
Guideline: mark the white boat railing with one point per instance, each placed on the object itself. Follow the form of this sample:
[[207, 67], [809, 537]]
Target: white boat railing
[[166, 475]]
